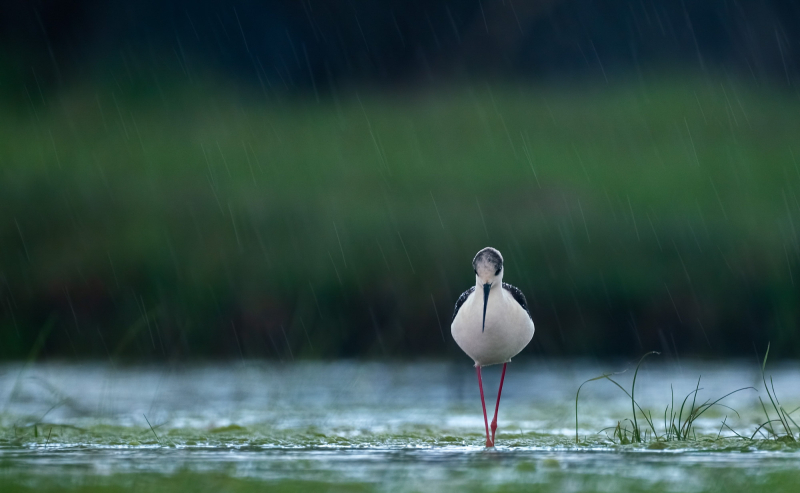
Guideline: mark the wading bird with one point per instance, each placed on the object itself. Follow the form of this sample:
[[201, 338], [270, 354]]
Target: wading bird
[[491, 322]]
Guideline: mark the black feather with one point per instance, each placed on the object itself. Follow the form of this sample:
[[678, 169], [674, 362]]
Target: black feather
[[461, 300], [517, 294]]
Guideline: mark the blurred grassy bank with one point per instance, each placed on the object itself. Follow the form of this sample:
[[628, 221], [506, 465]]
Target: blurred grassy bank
[[173, 221], [539, 476]]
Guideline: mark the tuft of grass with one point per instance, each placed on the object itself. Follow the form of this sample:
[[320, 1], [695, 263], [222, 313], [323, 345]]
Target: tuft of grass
[[636, 432], [676, 426], [784, 417]]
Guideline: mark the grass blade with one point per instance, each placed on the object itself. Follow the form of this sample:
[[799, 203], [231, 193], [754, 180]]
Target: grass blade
[[151, 429], [578, 393]]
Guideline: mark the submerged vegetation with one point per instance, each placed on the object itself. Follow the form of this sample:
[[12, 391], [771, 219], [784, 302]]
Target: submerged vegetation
[[477, 474], [677, 427]]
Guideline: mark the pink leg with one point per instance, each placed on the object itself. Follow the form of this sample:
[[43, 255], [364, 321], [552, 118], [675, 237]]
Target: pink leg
[[483, 403], [497, 406]]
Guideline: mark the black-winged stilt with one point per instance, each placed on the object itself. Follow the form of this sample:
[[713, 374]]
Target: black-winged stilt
[[491, 323]]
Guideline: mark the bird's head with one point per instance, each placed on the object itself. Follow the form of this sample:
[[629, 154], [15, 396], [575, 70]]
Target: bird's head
[[488, 267]]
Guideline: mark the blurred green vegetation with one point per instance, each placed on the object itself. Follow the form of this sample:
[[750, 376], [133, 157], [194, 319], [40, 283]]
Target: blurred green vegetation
[[165, 221], [544, 476], [182, 481]]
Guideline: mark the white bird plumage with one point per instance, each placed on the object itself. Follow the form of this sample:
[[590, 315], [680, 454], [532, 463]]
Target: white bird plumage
[[491, 322], [508, 327]]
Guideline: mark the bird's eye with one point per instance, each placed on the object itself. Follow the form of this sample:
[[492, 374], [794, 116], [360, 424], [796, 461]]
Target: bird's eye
[[498, 271]]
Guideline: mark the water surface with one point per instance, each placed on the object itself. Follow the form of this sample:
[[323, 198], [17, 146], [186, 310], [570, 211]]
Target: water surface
[[381, 426]]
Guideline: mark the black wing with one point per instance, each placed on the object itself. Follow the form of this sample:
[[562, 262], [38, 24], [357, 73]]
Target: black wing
[[461, 300], [517, 294]]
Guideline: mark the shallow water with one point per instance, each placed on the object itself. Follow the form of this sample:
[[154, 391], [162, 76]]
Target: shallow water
[[381, 426]]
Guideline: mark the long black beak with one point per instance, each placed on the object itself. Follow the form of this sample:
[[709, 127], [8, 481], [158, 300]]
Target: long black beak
[[486, 288]]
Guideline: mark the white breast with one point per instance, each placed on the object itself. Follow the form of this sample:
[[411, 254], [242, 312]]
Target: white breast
[[508, 327]]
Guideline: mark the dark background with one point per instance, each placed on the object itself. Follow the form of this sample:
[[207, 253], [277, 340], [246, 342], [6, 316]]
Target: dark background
[[321, 46], [201, 179]]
